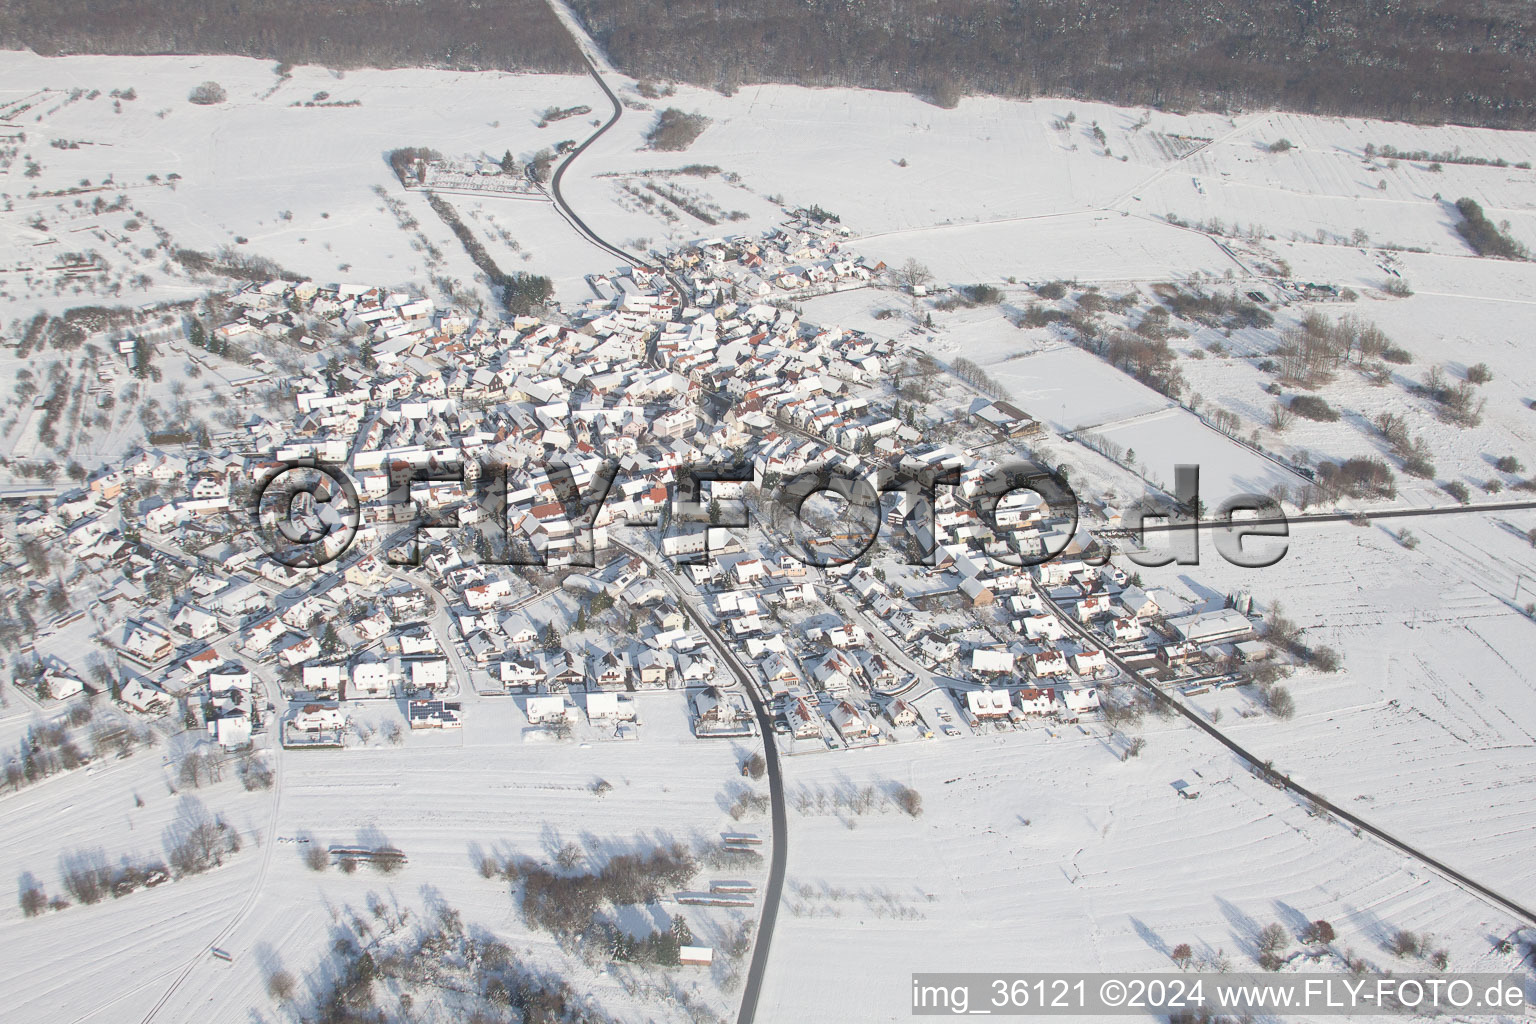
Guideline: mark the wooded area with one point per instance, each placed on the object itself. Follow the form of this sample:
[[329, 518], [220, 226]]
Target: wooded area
[[509, 34], [1466, 61]]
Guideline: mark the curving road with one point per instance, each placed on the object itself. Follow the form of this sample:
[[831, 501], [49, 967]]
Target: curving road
[[779, 858], [570, 214]]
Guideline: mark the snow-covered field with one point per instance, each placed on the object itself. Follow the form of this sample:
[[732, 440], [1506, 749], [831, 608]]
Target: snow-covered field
[[1041, 850], [1037, 850], [445, 799]]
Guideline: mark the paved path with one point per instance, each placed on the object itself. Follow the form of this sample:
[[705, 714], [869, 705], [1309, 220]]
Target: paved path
[[779, 858]]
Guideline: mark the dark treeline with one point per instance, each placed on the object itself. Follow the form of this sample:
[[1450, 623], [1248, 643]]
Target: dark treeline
[[1483, 236], [507, 34], [1465, 61]]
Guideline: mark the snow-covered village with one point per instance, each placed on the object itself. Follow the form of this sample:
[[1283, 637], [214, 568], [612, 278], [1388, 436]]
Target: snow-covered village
[[435, 586]]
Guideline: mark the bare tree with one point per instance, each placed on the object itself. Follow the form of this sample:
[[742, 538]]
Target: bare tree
[[280, 985], [909, 800], [1318, 933], [32, 898], [1280, 416], [912, 275], [198, 840], [1273, 940]]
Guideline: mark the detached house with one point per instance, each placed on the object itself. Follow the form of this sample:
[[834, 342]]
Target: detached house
[[1037, 702], [323, 680], [195, 622], [803, 721], [851, 724], [984, 704], [991, 663], [1087, 662], [370, 679], [713, 709], [521, 673], [612, 671], [1126, 630], [305, 649], [264, 634], [1048, 663], [1084, 699], [653, 670]]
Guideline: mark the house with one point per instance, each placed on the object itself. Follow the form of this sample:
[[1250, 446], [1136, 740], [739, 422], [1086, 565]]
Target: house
[[298, 653], [201, 663], [612, 671], [304, 611], [901, 713], [1080, 700], [643, 592], [488, 594], [318, 718], [418, 641], [991, 663], [981, 596], [610, 707], [1037, 702], [322, 679], [195, 622], [1092, 606], [564, 669], [521, 673], [1048, 663], [140, 696], [1177, 653], [429, 673], [1042, 627], [836, 672], [696, 668], [748, 571], [843, 637], [1253, 650], [374, 626], [549, 710], [230, 728], [937, 649], [780, 672], [1088, 661], [669, 617], [434, 714], [60, 686], [231, 676], [1138, 603], [713, 709], [163, 517], [851, 724], [370, 678], [983, 704], [653, 670], [481, 647], [1126, 630], [264, 634], [803, 721], [148, 645]]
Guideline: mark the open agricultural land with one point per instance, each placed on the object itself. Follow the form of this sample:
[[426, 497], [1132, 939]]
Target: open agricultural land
[[627, 782]]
